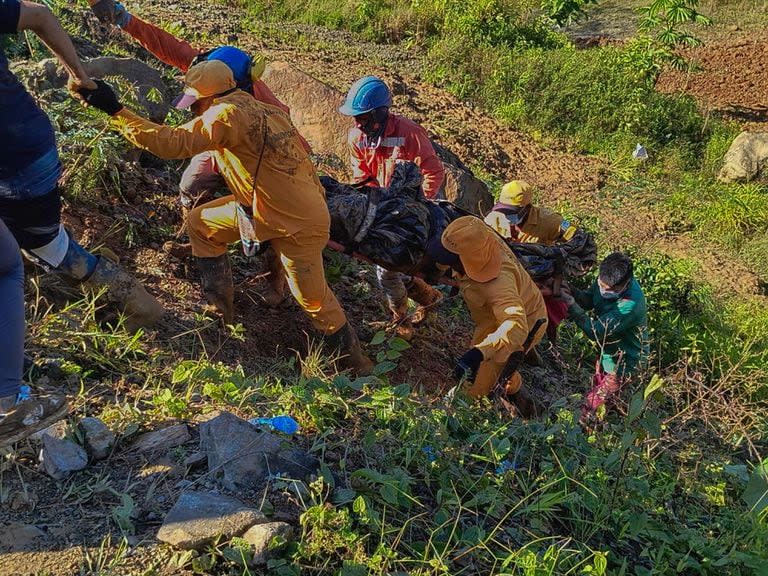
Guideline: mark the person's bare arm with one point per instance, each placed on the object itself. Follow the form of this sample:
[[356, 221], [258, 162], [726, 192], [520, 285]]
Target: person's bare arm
[[40, 20]]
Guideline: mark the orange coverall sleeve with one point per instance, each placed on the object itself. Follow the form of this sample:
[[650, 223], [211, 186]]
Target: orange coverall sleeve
[[207, 132], [423, 153], [507, 316], [166, 47]]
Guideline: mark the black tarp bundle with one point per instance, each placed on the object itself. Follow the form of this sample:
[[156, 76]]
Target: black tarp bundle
[[392, 226]]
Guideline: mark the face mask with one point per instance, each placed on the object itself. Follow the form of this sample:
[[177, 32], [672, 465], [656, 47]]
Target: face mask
[[515, 217], [609, 294]]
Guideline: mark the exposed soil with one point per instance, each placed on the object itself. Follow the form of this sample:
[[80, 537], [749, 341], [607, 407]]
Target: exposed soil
[[81, 519], [731, 80]]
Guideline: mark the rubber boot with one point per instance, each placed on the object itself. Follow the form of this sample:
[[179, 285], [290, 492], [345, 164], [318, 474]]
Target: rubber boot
[[533, 358], [515, 392], [216, 283], [346, 343], [19, 419], [179, 250], [275, 293], [426, 296], [141, 309], [526, 406]]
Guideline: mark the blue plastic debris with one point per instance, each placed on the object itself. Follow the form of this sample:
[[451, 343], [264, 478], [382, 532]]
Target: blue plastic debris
[[505, 466], [431, 456], [284, 424]]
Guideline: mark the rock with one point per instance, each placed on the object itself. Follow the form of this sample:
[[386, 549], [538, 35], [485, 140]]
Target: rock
[[162, 440], [151, 91], [195, 459], [19, 537], [241, 456], [261, 535], [314, 111], [198, 518], [295, 463], [98, 438], [746, 159], [238, 454], [59, 456]]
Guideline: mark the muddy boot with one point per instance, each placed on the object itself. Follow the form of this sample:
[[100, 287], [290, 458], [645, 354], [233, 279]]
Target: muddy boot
[[141, 309], [216, 283], [179, 250], [525, 405], [427, 297], [22, 415], [275, 293], [533, 358], [345, 343]]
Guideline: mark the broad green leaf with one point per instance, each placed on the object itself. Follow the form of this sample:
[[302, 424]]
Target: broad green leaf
[[399, 344], [384, 367], [655, 384], [378, 338], [393, 354], [756, 493], [345, 496], [389, 494], [402, 390], [635, 407]]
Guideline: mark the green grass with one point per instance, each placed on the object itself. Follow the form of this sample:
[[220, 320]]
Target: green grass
[[438, 487]]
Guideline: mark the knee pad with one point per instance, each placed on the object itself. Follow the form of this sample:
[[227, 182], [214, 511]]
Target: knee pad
[[51, 254]]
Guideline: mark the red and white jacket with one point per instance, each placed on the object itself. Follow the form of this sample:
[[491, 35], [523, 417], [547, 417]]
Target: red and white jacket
[[402, 139]]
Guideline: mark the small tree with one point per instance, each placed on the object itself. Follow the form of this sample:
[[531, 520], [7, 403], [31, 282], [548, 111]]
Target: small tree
[[565, 11], [664, 28]]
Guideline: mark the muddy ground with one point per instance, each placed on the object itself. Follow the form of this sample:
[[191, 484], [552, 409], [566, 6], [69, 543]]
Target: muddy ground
[[76, 515]]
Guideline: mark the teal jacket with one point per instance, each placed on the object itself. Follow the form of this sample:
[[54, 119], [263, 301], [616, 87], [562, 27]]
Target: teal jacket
[[619, 326]]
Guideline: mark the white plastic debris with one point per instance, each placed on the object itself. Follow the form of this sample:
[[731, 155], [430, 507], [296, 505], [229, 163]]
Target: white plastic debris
[[640, 153]]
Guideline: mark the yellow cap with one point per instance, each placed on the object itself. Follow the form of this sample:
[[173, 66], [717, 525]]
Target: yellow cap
[[477, 246], [205, 79], [516, 193]]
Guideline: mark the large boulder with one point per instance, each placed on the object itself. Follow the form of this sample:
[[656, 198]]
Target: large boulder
[[746, 159], [314, 111], [151, 92], [314, 108]]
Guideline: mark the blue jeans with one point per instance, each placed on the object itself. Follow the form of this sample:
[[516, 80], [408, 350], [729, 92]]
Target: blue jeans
[[11, 314]]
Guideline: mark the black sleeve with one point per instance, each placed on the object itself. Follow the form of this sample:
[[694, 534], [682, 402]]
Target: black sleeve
[[9, 16]]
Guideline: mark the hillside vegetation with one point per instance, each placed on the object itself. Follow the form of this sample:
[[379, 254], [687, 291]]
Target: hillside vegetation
[[674, 482]]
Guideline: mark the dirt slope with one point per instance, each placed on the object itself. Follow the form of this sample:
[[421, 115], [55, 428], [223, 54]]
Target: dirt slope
[[481, 141], [732, 79]]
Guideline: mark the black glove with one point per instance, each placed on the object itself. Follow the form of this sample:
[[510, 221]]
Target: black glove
[[467, 366], [104, 10], [103, 98]]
